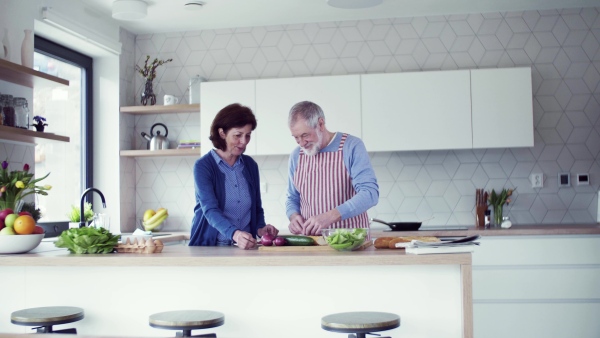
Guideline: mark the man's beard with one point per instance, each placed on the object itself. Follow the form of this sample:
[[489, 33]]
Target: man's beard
[[315, 146]]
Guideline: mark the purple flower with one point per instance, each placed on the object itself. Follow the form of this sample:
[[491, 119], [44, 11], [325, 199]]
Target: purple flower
[[26, 167], [4, 165]]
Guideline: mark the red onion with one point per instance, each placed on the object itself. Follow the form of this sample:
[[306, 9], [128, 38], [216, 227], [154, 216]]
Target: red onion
[[279, 241]]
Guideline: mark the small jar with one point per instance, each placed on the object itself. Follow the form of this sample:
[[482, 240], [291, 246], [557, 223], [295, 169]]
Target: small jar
[[8, 110], [21, 113], [2, 99]]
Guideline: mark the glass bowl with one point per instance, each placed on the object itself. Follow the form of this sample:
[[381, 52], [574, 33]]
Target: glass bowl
[[140, 225], [12, 244], [345, 239]]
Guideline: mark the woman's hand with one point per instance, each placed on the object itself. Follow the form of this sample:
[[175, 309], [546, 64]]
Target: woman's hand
[[244, 240], [268, 229]]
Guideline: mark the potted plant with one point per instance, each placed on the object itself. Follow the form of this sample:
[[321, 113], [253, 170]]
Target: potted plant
[[39, 123], [75, 216]]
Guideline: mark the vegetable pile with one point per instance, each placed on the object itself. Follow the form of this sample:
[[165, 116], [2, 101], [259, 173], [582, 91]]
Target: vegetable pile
[[88, 240], [346, 239], [268, 240]]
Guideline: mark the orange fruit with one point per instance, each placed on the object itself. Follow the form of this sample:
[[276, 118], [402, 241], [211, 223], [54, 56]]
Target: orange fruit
[[24, 225]]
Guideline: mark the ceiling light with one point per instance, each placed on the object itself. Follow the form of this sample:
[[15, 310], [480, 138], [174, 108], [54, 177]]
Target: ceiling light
[[129, 9], [353, 4], [194, 5]]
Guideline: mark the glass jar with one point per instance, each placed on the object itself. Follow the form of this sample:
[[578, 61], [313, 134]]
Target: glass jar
[[8, 110], [2, 98], [21, 113]]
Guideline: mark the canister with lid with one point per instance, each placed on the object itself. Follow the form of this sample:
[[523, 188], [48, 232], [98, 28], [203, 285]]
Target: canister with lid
[[8, 111]]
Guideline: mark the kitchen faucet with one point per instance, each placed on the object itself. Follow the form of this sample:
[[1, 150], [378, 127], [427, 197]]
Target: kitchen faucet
[[82, 220]]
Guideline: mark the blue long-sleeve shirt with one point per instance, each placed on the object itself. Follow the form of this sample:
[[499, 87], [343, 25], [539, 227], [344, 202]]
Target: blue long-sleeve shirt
[[358, 164]]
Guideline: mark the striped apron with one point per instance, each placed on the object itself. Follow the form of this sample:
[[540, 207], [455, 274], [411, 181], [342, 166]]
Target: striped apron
[[324, 183]]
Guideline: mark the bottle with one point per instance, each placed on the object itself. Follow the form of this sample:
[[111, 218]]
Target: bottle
[[27, 50], [21, 113], [8, 110], [487, 218]]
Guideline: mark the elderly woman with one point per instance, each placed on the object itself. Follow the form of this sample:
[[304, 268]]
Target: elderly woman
[[228, 207]]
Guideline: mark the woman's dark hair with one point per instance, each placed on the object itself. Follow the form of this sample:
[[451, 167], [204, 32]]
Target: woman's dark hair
[[233, 116]]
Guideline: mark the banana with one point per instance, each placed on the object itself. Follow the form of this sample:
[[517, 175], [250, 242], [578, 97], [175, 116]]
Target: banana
[[152, 226], [156, 216]]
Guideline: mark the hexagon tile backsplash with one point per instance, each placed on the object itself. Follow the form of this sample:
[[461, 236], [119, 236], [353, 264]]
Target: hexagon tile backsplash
[[561, 47]]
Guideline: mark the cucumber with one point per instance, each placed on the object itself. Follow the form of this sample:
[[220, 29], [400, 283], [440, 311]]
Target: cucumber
[[295, 240]]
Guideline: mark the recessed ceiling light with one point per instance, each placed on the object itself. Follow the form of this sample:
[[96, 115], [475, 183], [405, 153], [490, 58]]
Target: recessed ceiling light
[[353, 4], [194, 5], [129, 9]]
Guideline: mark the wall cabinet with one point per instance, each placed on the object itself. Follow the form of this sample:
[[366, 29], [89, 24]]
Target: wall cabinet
[[416, 111], [502, 108], [20, 75], [215, 96], [172, 109]]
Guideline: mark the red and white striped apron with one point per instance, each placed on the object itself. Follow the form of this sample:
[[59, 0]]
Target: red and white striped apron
[[324, 183]]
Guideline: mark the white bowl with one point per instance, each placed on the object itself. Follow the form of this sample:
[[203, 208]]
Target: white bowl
[[11, 244]]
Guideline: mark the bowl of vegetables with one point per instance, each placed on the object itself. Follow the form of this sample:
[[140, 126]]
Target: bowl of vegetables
[[345, 239]]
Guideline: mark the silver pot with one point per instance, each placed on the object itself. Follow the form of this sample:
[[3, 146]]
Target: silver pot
[[158, 141]]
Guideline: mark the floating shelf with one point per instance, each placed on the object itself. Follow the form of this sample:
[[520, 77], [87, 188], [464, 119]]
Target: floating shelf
[[29, 136], [159, 153], [171, 109], [27, 77]]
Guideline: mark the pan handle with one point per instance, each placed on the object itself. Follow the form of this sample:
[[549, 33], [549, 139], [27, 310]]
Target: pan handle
[[380, 221]]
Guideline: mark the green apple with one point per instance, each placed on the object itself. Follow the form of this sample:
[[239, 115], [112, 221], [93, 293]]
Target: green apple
[[9, 221], [7, 231]]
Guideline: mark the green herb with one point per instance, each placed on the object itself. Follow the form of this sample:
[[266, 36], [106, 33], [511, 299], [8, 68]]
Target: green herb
[[345, 239], [88, 240], [88, 213]]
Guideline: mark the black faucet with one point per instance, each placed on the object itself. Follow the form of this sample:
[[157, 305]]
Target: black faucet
[[82, 219]]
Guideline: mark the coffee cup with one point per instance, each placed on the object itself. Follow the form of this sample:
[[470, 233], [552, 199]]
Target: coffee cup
[[170, 100]]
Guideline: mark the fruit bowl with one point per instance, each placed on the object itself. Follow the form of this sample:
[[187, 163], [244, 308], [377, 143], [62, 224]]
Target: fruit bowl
[[140, 225], [345, 239], [19, 243]]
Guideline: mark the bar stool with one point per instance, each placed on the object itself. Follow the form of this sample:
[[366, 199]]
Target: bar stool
[[359, 324], [187, 320], [45, 317]]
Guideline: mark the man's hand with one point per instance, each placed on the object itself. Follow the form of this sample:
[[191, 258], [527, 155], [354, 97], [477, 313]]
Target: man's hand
[[244, 240], [268, 229], [296, 222], [315, 224]]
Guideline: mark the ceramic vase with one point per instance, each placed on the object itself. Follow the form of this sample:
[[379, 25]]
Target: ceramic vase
[[27, 50]]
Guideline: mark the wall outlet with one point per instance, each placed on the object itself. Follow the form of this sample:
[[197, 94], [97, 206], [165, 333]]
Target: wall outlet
[[583, 179], [564, 179], [537, 180]]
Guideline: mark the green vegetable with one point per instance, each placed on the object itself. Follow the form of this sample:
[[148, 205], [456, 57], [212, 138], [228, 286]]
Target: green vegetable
[[88, 240], [298, 240], [75, 216], [347, 239]]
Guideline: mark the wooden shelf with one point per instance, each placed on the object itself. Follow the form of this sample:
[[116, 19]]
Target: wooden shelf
[[29, 136], [159, 153], [27, 77], [175, 108]]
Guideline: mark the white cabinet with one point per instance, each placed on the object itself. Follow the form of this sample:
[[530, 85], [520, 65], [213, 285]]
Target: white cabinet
[[416, 111], [217, 95], [502, 108], [338, 96]]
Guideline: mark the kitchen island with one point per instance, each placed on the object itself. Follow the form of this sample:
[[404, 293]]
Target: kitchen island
[[262, 294]]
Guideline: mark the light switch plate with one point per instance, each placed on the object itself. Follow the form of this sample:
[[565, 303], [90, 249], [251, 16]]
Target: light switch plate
[[537, 180], [583, 179], [564, 179]]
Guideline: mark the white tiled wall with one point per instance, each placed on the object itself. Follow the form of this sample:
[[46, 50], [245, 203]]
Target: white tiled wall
[[561, 47]]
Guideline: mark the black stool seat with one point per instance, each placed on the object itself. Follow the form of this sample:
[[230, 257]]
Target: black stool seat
[[187, 320], [360, 323], [47, 316]]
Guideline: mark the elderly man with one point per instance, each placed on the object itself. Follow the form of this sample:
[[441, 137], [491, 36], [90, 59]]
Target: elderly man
[[331, 181]]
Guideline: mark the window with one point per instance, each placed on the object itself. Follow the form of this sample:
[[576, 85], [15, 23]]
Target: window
[[68, 112]]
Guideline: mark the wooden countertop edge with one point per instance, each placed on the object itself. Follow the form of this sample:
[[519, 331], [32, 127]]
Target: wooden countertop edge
[[518, 230]]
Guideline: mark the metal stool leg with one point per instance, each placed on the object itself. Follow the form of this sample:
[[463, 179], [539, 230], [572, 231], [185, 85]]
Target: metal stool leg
[[188, 333]]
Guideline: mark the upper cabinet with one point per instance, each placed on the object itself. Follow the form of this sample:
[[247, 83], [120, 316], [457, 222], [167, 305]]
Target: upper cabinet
[[338, 96], [23, 76], [502, 108], [416, 111], [215, 96]]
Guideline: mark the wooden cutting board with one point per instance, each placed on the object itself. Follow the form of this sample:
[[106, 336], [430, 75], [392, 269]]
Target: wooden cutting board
[[307, 248]]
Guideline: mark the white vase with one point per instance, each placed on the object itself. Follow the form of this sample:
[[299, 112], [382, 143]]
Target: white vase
[[27, 50]]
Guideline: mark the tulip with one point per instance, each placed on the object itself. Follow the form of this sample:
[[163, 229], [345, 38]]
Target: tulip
[[20, 184], [47, 187], [3, 189], [4, 165], [26, 167]]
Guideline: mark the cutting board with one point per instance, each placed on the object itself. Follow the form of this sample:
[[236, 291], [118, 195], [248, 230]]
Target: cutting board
[[288, 248]]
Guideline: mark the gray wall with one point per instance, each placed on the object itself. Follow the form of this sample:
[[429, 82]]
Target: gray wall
[[561, 47]]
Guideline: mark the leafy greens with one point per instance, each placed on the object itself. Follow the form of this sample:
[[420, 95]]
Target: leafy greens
[[87, 240], [346, 240]]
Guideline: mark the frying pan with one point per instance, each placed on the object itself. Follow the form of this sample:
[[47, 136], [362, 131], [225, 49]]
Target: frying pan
[[400, 226]]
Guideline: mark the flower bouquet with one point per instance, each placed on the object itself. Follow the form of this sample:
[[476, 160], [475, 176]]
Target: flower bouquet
[[17, 184], [497, 201]]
